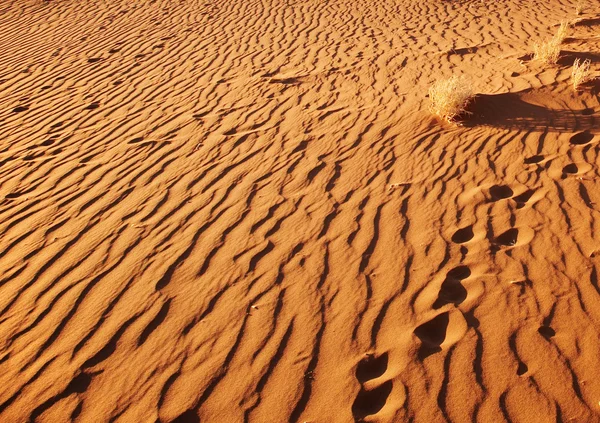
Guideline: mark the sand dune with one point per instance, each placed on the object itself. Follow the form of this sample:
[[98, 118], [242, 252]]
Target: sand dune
[[242, 211]]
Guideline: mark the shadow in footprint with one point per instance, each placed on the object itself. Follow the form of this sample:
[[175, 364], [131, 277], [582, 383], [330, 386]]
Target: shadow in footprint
[[522, 199], [432, 334], [463, 235], [534, 159], [371, 367], [582, 138], [522, 369], [508, 238], [546, 331], [371, 402], [452, 291], [500, 192], [570, 169], [188, 416]]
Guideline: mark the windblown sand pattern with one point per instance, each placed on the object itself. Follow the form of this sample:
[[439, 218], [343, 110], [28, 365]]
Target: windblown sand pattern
[[241, 211]]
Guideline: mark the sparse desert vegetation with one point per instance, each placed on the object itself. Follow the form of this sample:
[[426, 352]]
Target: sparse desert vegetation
[[563, 31], [449, 97], [549, 51], [257, 211], [579, 7], [580, 74]]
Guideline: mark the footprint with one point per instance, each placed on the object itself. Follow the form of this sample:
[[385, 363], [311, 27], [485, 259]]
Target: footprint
[[79, 384], [94, 59], [522, 369], [500, 192], [546, 331], [20, 109], [452, 291], [570, 169], [369, 402], [582, 138], [523, 198], [463, 235], [508, 238], [534, 159], [459, 273], [371, 367], [188, 416], [93, 106], [432, 334]]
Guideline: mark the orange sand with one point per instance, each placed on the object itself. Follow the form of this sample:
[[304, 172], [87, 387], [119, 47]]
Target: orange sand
[[242, 211]]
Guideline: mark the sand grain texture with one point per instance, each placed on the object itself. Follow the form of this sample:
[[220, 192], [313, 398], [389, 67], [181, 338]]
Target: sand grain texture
[[242, 211]]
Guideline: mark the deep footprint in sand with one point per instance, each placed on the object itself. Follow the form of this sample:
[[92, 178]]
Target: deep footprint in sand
[[508, 238], [570, 169], [574, 169], [371, 367], [523, 198], [452, 291], [534, 159], [370, 401], [546, 331], [522, 369], [582, 138], [463, 235], [432, 334], [500, 192]]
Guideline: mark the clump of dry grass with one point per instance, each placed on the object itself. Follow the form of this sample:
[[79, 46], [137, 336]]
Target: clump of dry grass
[[546, 52], [450, 97], [580, 74], [579, 8], [563, 31], [549, 51]]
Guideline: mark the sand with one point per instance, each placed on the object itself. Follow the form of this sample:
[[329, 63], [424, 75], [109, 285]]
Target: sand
[[243, 211]]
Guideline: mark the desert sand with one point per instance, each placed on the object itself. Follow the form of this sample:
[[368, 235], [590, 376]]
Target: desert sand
[[243, 211]]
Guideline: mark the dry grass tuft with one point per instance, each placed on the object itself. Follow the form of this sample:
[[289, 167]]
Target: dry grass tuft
[[549, 51], [450, 97], [579, 8], [580, 73], [563, 31]]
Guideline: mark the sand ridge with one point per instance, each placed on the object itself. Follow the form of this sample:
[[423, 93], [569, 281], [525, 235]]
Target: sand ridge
[[227, 211]]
